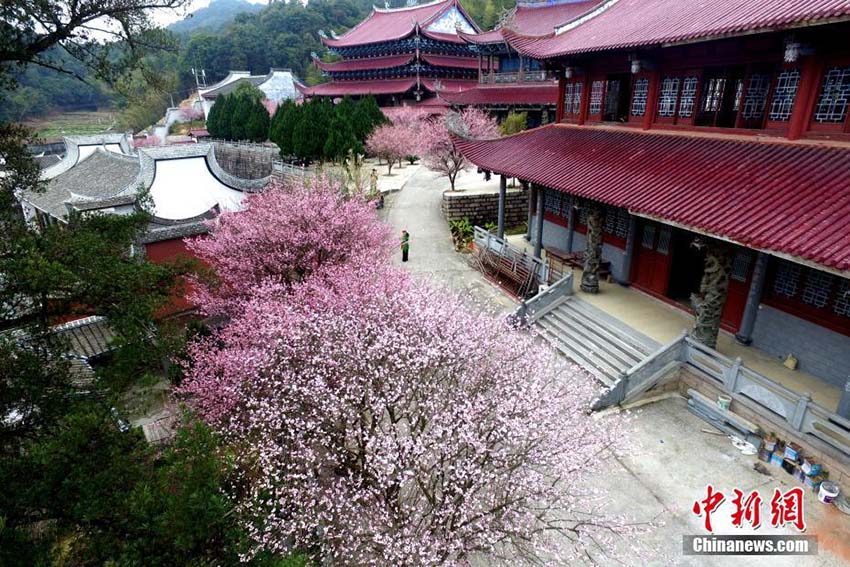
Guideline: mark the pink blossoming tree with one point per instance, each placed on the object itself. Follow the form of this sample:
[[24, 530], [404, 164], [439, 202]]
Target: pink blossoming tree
[[435, 143], [391, 143], [283, 235], [381, 422]]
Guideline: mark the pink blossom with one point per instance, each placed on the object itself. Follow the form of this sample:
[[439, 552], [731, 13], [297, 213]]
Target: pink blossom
[[285, 234], [437, 149], [392, 142]]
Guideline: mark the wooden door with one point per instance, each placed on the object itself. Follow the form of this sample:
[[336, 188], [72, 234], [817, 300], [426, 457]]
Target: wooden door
[[651, 267], [739, 288]]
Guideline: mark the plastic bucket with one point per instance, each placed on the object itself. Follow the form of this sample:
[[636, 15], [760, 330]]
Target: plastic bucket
[[828, 492], [723, 402]]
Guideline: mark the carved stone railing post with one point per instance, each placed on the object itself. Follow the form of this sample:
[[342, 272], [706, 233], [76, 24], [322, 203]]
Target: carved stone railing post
[[800, 411]]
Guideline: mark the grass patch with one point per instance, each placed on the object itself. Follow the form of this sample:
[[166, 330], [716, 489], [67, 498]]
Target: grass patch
[[77, 123], [519, 229]]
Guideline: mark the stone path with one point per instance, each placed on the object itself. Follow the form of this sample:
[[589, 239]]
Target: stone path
[[672, 458], [417, 209]]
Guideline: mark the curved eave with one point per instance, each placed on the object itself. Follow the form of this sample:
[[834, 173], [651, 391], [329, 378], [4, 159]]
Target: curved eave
[[364, 64]]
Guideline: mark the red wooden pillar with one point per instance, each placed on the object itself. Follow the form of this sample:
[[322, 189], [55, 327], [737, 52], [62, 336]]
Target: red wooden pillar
[[801, 115], [559, 107], [651, 100]]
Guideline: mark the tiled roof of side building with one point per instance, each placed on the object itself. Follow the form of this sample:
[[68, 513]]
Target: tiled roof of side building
[[541, 93], [451, 61], [536, 19], [102, 175], [767, 195], [389, 24], [624, 24]]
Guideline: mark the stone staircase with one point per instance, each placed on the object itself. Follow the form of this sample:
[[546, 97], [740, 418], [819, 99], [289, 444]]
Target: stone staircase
[[594, 340]]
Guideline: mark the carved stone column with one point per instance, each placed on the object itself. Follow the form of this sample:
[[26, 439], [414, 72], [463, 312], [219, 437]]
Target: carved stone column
[[593, 253], [708, 305]]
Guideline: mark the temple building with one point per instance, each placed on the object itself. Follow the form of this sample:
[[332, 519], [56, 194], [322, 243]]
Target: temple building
[[105, 174], [509, 81], [277, 86], [401, 54], [700, 154]]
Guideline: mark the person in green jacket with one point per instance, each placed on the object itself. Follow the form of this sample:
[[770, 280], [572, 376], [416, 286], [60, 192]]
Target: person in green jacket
[[405, 245]]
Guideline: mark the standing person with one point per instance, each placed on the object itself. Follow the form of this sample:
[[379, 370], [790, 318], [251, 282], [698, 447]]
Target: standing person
[[405, 245], [373, 182]]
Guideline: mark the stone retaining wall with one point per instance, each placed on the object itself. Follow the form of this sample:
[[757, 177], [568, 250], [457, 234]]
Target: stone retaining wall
[[481, 208], [247, 162]]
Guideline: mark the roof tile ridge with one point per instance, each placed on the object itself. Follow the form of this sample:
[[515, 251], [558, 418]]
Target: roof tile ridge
[[589, 15]]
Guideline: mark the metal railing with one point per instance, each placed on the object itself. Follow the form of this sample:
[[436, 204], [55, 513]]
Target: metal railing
[[796, 412]]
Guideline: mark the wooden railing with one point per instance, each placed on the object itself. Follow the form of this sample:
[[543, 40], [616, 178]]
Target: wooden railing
[[503, 259], [796, 412], [515, 77]]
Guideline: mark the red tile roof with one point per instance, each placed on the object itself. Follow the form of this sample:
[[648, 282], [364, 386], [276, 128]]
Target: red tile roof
[[623, 24], [342, 88], [449, 61], [441, 36], [365, 64], [535, 20], [447, 85], [390, 24], [788, 198], [541, 93]]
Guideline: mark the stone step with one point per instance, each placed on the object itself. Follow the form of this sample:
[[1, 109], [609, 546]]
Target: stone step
[[638, 343], [610, 339], [573, 348], [574, 328]]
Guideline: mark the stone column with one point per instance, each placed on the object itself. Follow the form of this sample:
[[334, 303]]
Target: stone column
[[503, 195], [629, 252], [708, 305], [748, 319], [571, 221], [532, 204], [538, 238], [593, 253]]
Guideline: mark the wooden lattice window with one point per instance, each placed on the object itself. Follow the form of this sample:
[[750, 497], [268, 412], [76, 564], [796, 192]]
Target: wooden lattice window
[[596, 90], [758, 87], [577, 97], [816, 288], [639, 97], [834, 96], [668, 96], [841, 305], [741, 265], [689, 95], [784, 95], [616, 222], [787, 279]]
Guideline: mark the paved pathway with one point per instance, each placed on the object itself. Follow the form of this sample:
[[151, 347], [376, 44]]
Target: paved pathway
[[672, 458], [417, 209]]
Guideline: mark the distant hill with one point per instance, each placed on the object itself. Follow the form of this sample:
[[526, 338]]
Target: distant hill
[[214, 16]]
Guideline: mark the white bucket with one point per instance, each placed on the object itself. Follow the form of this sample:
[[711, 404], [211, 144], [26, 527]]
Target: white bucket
[[828, 492], [723, 402]]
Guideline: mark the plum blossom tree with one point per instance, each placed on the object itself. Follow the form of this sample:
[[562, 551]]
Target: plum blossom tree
[[380, 422], [290, 231], [435, 143], [392, 142]]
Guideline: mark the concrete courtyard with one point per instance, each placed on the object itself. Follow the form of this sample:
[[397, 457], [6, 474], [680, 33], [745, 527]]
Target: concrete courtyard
[[673, 454]]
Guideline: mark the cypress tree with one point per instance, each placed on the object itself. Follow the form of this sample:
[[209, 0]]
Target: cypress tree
[[257, 128]]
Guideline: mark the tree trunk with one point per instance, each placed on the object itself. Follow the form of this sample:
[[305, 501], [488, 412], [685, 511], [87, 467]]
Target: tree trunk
[[708, 305], [593, 253]]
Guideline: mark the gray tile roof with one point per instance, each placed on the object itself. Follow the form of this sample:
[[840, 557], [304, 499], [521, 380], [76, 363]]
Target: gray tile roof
[[72, 150], [102, 175]]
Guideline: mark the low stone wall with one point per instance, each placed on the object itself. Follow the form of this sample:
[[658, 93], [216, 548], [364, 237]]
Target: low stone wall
[[833, 461], [483, 207], [247, 162]]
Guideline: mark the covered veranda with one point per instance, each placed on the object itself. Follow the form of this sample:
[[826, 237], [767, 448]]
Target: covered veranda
[[726, 198]]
